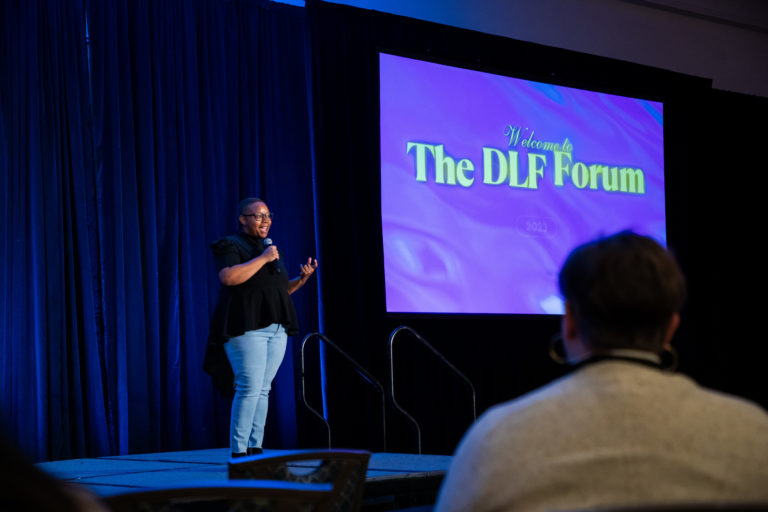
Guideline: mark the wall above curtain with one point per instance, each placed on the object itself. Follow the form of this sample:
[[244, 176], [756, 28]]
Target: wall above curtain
[[722, 41]]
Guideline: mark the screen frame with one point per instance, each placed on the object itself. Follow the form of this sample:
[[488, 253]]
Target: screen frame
[[562, 73]]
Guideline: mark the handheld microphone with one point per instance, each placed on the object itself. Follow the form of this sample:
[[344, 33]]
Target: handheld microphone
[[274, 265]]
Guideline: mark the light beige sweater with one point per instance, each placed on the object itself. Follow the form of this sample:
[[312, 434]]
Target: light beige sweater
[[611, 433]]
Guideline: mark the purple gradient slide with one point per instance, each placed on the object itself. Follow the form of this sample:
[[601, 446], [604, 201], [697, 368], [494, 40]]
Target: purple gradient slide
[[487, 182]]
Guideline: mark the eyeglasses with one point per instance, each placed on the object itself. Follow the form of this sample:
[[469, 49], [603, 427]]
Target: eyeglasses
[[260, 217]]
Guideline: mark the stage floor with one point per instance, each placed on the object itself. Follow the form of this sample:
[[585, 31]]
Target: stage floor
[[394, 480]]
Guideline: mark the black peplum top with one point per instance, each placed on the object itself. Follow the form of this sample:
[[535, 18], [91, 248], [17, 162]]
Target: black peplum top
[[260, 301]]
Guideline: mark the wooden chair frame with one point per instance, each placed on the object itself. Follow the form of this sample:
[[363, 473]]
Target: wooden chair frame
[[345, 469], [252, 495]]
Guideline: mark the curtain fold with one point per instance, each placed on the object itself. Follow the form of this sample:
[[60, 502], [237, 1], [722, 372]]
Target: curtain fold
[[121, 160], [51, 357]]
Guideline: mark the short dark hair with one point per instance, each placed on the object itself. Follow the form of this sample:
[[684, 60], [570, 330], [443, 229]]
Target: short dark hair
[[246, 202], [623, 291]]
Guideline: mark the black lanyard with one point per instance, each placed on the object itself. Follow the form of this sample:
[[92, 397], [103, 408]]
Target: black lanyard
[[608, 357]]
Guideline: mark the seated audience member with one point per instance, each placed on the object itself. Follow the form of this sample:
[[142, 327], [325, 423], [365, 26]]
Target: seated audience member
[[619, 430], [23, 487]]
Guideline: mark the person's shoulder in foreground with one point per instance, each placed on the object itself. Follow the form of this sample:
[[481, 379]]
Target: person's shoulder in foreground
[[570, 448], [619, 430]]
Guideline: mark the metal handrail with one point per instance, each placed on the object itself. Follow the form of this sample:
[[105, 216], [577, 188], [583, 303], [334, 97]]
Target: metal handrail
[[390, 355], [365, 374]]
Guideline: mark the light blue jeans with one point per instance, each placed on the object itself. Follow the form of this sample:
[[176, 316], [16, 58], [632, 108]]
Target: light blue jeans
[[255, 357]]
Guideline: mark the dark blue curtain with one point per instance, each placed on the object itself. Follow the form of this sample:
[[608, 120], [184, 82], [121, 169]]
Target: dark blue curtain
[[110, 196], [52, 344]]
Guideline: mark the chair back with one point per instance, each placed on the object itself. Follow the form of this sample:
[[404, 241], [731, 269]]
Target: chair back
[[344, 469], [225, 496]]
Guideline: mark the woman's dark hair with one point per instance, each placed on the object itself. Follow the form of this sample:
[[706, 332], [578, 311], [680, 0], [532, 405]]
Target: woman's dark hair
[[623, 291], [245, 202]]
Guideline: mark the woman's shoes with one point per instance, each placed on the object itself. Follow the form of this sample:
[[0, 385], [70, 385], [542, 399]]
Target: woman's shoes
[[249, 451]]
